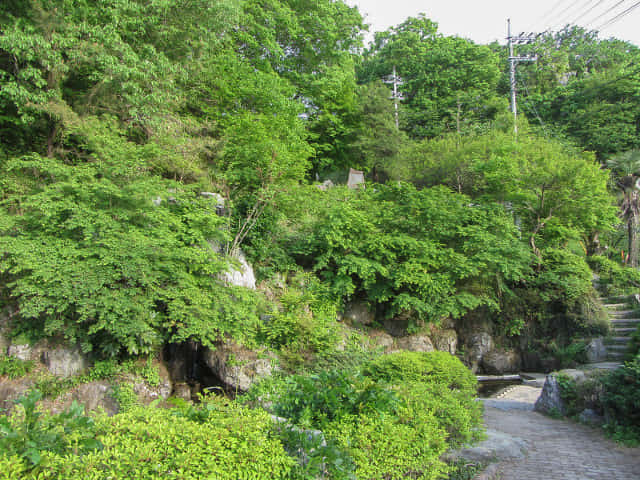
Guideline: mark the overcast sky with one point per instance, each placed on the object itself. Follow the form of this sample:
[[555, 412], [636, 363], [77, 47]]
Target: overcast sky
[[486, 20]]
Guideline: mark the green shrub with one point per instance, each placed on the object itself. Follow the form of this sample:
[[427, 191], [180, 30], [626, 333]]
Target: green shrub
[[394, 422], [456, 411], [305, 322], [230, 442], [615, 278], [432, 367], [622, 401], [353, 238], [319, 399], [92, 258], [634, 345], [28, 433], [14, 367], [394, 448]]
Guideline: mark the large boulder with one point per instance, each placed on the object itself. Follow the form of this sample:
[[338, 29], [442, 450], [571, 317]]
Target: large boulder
[[397, 326], [240, 275], [445, 340], [378, 338], [22, 351], [237, 367], [11, 390], [65, 361], [479, 344], [415, 343], [499, 362], [147, 392], [596, 351], [550, 401], [357, 313], [96, 396]]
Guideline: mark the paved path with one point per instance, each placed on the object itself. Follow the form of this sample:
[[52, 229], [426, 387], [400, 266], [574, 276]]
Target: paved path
[[557, 449]]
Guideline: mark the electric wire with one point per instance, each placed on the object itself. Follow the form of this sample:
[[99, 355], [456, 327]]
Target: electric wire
[[547, 16], [565, 18], [618, 17], [587, 12], [606, 12]]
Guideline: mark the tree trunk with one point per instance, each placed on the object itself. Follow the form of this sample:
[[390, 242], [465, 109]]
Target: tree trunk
[[632, 227]]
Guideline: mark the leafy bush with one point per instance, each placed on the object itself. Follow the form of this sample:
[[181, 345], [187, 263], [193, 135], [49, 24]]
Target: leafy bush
[[634, 345], [615, 278], [319, 399], [394, 448], [449, 254], [91, 257], [394, 422], [304, 322], [14, 367], [229, 442], [433, 367], [622, 401], [27, 433]]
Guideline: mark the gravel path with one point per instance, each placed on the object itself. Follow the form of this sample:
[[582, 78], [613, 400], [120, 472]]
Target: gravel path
[[557, 449]]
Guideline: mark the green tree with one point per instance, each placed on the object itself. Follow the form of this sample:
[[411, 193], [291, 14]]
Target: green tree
[[449, 82], [626, 168]]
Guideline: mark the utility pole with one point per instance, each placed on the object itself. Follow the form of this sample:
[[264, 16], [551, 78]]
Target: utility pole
[[396, 81], [513, 63]]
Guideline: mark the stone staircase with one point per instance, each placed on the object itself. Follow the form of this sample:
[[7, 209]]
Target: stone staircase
[[625, 319]]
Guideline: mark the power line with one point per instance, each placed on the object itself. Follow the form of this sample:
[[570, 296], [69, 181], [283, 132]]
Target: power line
[[587, 12], [606, 12], [619, 17], [563, 22], [543, 19]]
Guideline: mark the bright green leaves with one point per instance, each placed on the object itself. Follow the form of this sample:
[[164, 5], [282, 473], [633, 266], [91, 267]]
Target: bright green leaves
[[430, 252], [105, 253], [449, 82]]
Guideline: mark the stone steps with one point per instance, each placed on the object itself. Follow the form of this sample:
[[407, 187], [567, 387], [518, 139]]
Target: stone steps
[[624, 321], [616, 341]]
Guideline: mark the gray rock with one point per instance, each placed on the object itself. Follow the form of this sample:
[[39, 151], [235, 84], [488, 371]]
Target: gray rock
[[381, 339], [397, 326], [590, 417], [415, 343], [22, 352], [550, 402], [65, 361], [499, 362], [446, 340], [358, 313], [243, 276], [96, 395], [219, 199], [148, 393], [182, 390], [596, 351], [11, 390], [479, 345], [236, 366], [498, 446], [326, 185]]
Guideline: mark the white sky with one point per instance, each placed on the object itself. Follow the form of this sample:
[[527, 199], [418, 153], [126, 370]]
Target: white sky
[[486, 20]]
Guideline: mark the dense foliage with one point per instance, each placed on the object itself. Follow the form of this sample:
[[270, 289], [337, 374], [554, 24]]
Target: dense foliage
[[144, 143], [218, 440], [391, 417]]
